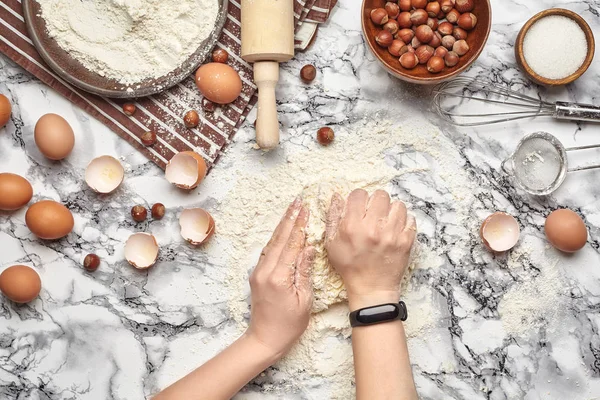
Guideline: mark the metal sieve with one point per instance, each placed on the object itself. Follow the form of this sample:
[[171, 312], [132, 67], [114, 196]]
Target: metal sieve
[[539, 164]]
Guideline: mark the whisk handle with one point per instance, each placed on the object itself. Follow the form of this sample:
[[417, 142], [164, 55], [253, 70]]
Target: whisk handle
[[576, 112]]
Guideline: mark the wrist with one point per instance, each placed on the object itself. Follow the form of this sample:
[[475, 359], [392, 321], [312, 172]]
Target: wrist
[[264, 353], [358, 301]]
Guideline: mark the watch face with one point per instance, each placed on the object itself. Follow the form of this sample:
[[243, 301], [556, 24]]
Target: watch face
[[385, 312]]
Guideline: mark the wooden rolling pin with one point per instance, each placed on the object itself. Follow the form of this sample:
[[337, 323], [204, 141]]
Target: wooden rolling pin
[[267, 40]]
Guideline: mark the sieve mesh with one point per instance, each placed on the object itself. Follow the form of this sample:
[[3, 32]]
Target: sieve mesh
[[537, 164]]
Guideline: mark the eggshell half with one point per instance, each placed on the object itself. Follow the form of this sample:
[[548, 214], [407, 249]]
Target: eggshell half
[[500, 232], [54, 136], [186, 170], [566, 230], [197, 225], [141, 250], [15, 192], [104, 174], [20, 283], [218, 82], [49, 220]]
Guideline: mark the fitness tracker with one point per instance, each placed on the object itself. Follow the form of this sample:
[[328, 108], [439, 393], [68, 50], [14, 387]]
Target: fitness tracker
[[378, 314]]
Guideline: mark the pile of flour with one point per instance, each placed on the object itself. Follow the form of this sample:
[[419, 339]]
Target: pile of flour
[[130, 40]]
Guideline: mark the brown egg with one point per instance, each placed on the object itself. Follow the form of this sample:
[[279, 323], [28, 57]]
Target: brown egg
[[218, 82], [54, 136], [15, 192], [20, 283], [50, 220], [566, 231], [5, 110]]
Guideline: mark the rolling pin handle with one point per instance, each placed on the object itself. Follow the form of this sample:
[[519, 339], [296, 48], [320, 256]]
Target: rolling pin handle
[[266, 76]]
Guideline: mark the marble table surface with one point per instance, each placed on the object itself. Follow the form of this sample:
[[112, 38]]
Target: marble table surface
[[523, 325]]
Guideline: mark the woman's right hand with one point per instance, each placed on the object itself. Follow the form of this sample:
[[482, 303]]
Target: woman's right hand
[[368, 241]]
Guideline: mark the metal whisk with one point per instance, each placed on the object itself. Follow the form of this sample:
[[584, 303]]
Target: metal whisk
[[476, 98]]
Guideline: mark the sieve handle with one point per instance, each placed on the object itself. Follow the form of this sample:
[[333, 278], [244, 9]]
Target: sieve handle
[[576, 112]]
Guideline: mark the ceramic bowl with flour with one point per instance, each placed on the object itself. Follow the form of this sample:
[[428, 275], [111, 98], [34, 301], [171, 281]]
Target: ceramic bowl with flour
[[124, 49]]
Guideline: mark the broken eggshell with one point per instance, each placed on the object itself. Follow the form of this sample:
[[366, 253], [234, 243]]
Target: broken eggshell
[[186, 170], [104, 174], [500, 232], [197, 225], [141, 250]]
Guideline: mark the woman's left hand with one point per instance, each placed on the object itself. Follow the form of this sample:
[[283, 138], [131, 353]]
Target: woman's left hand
[[282, 285]]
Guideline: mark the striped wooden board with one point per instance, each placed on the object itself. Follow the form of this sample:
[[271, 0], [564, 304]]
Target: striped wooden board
[[161, 113]]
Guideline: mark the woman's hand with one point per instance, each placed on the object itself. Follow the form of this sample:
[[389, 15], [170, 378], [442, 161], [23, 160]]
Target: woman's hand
[[368, 241], [282, 285]]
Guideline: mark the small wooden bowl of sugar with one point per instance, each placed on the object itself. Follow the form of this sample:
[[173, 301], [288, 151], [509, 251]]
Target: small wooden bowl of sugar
[[555, 47]]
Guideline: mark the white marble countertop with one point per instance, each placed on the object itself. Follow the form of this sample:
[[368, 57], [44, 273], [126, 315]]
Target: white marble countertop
[[525, 325]]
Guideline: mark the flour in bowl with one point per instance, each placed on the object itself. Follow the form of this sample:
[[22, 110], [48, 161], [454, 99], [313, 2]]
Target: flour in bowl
[[130, 40]]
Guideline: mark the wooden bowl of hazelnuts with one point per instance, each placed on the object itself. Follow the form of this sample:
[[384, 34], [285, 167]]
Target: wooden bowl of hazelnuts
[[423, 41]]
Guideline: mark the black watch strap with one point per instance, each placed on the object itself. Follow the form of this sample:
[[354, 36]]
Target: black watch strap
[[379, 314]]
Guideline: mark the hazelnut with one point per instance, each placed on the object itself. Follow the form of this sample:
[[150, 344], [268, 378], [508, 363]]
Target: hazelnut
[[405, 5], [433, 23], [424, 53], [460, 47], [441, 15], [158, 211], [467, 21], [451, 59], [395, 47], [406, 49], [404, 20], [436, 41], [384, 38], [433, 9], [393, 9], [139, 213], [446, 5], [409, 60], [325, 136], [424, 34], [391, 26], [220, 56], [453, 16], [448, 41], [435, 64], [129, 109], [208, 105], [415, 43], [440, 52], [191, 119], [418, 4], [419, 17], [308, 73], [463, 6], [91, 262], [445, 28], [379, 16], [148, 138], [459, 33], [406, 35]]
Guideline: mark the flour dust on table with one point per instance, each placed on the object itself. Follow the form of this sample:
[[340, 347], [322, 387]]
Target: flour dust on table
[[130, 40]]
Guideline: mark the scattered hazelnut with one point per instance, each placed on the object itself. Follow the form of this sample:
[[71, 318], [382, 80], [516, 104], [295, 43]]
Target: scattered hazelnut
[[325, 136], [424, 34], [418, 4], [158, 211], [467, 21], [139, 213], [424, 53], [440, 52], [409, 60], [308, 73], [460, 47], [393, 9], [384, 38], [404, 20], [405, 5], [415, 43], [433, 23], [433, 9], [445, 28], [451, 59], [419, 17], [395, 47], [129, 109], [391, 26], [463, 6], [208, 105], [448, 42], [91, 262], [453, 16], [191, 119], [435, 64], [148, 138], [406, 35], [459, 33], [379, 16], [446, 5], [220, 56], [436, 41]]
